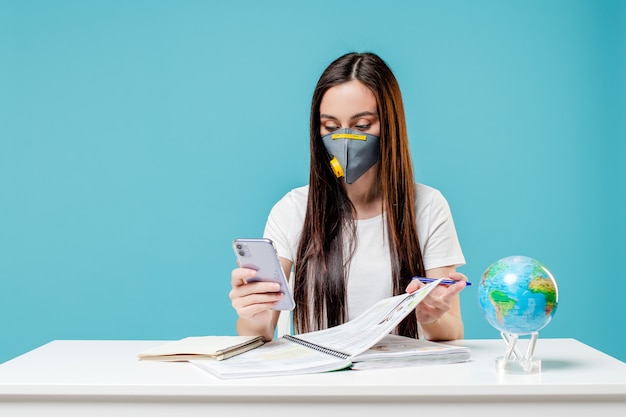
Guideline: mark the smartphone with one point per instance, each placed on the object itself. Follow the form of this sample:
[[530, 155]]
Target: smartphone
[[260, 254]]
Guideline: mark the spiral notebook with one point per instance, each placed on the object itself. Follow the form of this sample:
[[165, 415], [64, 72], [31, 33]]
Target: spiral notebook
[[320, 351]]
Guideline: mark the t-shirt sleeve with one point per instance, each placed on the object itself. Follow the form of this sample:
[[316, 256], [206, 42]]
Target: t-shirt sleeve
[[440, 243], [276, 230], [284, 224]]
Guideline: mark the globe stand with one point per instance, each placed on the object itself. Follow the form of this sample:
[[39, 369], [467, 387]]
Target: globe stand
[[513, 362]]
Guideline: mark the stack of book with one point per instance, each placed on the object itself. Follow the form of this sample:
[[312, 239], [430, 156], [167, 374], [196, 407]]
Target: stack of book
[[365, 342]]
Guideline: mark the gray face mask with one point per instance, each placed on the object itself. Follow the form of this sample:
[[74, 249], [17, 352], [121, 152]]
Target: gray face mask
[[352, 152]]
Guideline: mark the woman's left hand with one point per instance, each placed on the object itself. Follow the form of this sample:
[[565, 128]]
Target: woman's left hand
[[439, 300]]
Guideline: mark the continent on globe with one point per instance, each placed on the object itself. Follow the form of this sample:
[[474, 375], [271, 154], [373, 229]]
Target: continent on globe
[[502, 303], [546, 287]]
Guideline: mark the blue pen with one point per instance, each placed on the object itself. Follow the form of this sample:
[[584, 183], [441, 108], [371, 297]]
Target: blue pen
[[445, 281]]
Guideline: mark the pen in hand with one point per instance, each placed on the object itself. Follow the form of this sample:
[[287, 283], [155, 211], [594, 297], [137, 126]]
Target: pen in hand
[[444, 281]]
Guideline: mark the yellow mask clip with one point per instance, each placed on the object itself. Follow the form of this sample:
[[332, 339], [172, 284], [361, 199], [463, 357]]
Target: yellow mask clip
[[336, 167]]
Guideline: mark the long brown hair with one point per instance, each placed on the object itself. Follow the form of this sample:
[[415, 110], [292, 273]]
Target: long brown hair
[[322, 257]]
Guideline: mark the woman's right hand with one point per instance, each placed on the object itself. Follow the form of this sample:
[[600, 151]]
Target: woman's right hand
[[253, 300]]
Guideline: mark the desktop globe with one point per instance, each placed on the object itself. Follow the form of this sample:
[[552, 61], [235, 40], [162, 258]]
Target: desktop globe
[[518, 296]]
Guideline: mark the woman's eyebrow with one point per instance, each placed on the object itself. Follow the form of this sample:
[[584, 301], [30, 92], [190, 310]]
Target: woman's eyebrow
[[364, 113], [356, 116]]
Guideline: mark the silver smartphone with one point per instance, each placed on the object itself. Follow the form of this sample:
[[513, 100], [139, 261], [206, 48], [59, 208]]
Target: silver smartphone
[[260, 254]]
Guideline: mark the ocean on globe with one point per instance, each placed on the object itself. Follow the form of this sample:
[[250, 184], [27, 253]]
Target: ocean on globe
[[518, 295]]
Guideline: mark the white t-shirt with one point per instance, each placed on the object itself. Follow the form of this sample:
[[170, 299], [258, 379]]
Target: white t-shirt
[[369, 277]]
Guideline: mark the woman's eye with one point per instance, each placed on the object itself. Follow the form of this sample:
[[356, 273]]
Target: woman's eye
[[331, 128], [363, 127]]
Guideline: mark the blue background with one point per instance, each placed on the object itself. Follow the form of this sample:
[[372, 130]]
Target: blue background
[[138, 138]]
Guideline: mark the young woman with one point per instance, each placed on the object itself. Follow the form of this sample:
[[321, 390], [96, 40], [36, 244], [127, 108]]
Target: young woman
[[362, 228]]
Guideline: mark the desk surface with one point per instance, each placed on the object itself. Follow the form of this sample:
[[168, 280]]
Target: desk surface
[[75, 370]]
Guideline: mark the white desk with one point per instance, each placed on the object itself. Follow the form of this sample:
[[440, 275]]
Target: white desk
[[104, 378]]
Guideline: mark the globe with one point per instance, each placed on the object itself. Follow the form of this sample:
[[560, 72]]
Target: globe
[[518, 295]]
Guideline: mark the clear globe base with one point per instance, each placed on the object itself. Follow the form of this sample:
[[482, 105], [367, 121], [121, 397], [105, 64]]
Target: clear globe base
[[518, 366], [513, 361]]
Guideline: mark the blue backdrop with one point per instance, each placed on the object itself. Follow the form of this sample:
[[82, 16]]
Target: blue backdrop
[[138, 138]]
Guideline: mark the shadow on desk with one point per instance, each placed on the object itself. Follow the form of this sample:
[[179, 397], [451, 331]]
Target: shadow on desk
[[558, 364]]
